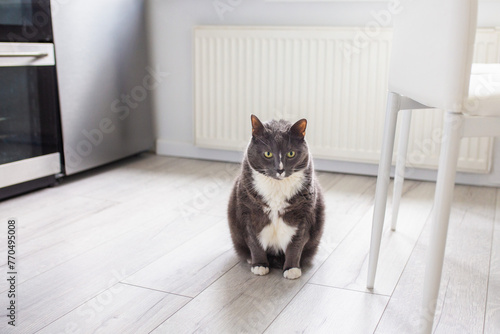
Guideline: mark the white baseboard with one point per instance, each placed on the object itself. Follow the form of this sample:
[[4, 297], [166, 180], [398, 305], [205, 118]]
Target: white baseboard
[[188, 150]]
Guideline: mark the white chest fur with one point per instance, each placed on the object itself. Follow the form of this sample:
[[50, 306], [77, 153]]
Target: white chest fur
[[276, 193]]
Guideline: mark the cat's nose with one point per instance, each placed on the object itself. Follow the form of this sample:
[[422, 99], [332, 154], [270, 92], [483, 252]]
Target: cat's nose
[[280, 171]]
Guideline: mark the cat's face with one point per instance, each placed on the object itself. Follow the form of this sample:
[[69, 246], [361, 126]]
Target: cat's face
[[278, 148]]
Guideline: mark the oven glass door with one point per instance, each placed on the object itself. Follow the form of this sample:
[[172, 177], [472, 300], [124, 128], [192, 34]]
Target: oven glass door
[[28, 128], [25, 21], [30, 143]]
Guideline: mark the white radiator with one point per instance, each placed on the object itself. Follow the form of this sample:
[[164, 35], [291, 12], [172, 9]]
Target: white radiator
[[329, 75]]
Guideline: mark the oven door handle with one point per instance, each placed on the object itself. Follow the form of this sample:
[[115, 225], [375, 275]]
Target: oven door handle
[[24, 54]]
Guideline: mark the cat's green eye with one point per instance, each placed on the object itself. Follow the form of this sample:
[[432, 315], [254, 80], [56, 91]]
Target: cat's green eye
[[268, 155], [290, 154]]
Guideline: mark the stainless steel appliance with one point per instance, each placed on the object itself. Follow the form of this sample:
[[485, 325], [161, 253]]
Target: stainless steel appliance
[[30, 139], [105, 81], [75, 88]]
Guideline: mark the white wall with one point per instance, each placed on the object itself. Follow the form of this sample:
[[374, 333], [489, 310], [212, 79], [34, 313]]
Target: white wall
[[171, 23]]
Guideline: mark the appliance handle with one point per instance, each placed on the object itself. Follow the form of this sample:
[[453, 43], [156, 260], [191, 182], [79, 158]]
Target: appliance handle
[[24, 54]]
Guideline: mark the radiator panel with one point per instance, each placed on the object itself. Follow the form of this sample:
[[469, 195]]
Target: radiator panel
[[335, 77]]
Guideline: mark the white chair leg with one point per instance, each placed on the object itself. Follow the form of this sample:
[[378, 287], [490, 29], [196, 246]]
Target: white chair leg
[[382, 184], [441, 215], [399, 176]]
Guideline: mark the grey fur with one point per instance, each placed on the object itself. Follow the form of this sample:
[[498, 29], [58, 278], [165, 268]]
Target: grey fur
[[305, 211]]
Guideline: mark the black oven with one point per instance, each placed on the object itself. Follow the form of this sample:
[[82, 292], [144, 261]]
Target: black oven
[[30, 135]]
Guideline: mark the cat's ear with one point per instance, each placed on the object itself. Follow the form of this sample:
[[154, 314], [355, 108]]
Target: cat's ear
[[257, 127], [299, 128]]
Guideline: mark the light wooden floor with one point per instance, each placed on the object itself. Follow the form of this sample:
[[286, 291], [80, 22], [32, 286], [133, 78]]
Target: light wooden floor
[[143, 246]]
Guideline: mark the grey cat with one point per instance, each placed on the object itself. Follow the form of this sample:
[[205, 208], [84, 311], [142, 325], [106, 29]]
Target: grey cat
[[276, 208]]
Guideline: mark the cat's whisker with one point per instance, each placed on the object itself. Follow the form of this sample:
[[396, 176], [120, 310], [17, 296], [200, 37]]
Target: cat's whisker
[[262, 141]]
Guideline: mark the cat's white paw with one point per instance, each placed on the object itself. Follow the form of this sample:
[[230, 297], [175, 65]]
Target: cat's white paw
[[292, 273], [259, 270]]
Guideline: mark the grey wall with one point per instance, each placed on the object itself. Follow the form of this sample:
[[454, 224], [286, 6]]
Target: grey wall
[[170, 39]]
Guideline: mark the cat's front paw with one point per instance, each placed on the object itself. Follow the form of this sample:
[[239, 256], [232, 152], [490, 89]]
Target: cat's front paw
[[260, 270], [292, 273]]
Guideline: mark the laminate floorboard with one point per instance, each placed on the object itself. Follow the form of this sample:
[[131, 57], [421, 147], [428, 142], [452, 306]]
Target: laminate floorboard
[[192, 267], [120, 309], [461, 302], [315, 310], [142, 246], [347, 266], [239, 302], [492, 315]]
